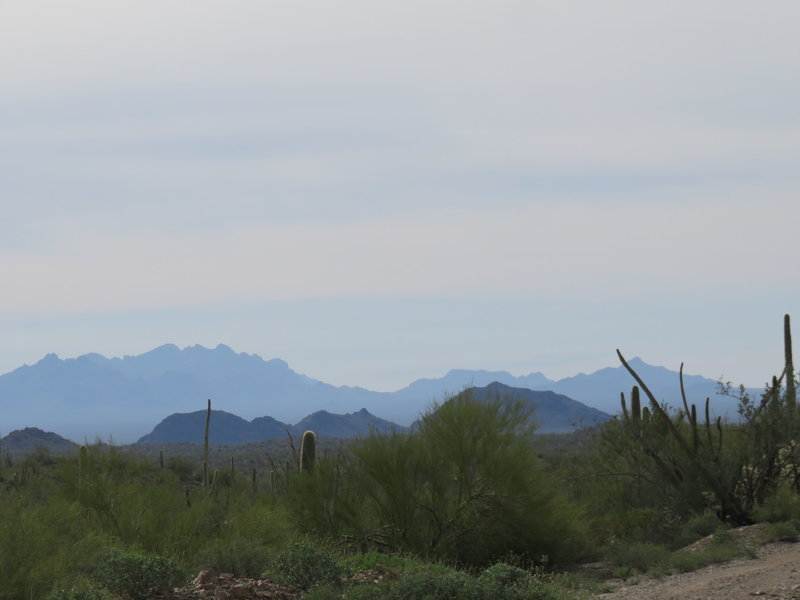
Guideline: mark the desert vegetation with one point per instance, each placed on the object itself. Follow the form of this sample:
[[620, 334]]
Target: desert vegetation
[[467, 505]]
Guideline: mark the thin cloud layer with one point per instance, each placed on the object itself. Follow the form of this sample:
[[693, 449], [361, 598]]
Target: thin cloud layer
[[623, 248], [207, 156]]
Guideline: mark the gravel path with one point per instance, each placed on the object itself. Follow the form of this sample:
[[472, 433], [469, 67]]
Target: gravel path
[[773, 574]]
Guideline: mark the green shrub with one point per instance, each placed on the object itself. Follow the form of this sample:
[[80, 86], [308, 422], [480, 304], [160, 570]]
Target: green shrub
[[90, 594], [326, 591], [723, 538], [44, 543], [438, 583], [622, 572], [502, 575], [697, 528], [137, 576], [685, 561], [466, 488], [239, 556], [371, 560], [639, 557], [783, 505], [184, 468], [365, 591], [507, 582], [499, 582], [305, 567], [723, 547], [783, 531]]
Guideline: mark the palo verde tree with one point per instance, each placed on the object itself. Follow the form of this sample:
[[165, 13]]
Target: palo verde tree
[[466, 486], [699, 463]]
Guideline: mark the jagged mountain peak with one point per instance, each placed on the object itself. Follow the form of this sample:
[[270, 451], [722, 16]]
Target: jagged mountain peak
[[93, 396]]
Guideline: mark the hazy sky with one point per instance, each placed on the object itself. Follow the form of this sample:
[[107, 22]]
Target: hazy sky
[[382, 191]]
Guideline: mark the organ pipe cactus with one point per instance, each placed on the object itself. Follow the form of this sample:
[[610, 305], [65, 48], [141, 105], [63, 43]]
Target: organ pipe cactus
[[734, 476], [704, 463]]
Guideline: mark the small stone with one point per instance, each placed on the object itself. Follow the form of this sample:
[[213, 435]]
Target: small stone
[[202, 578], [240, 590]]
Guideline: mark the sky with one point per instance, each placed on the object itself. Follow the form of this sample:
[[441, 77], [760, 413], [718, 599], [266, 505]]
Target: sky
[[377, 192]]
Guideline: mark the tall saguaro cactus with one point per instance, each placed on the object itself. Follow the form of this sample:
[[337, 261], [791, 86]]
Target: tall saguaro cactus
[[308, 451], [206, 485], [791, 393]]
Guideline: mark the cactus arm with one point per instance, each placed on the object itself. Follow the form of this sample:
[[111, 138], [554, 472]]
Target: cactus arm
[[683, 390], [636, 405]]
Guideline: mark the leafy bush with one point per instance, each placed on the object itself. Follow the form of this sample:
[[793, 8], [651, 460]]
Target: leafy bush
[[327, 591], [137, 576], [697, 528], [506, 582], [304, 567], [238, 556], [639, 557], [364, 591], [44, 544], [183, 468], [659, 561], [684, 561], [499, 582], [439, 583], [467, 487], [371, 560], [784, 531], [783, 505], [90, 594], [723, 538], [723, 547], [502, 575]]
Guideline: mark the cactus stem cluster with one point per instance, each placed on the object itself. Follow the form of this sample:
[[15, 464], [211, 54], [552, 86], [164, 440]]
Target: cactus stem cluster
[[738, 483]]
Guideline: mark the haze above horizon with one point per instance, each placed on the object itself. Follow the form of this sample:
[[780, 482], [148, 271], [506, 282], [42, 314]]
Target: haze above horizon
[[380, 193]]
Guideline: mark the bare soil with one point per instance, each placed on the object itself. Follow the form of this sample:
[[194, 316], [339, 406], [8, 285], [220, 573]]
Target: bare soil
[[773, 574]]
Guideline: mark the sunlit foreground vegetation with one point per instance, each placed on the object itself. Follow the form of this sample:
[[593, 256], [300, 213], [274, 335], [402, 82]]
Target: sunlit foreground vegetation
[[469, 505]]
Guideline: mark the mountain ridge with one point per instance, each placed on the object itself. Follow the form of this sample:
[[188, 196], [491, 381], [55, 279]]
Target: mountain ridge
[[93, 396], [227, 428]]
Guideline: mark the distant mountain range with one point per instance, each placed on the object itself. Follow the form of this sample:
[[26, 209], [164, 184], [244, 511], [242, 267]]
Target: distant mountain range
[[120, 398], [225, 428], [552, 413]]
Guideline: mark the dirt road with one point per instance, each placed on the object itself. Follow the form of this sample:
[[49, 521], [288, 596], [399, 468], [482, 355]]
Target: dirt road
[[773, 574]]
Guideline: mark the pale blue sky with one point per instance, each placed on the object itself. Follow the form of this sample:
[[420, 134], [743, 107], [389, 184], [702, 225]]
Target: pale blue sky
[[377, 192]]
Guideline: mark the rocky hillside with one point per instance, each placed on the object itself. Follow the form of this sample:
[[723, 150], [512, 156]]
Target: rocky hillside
[[25, 441]]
